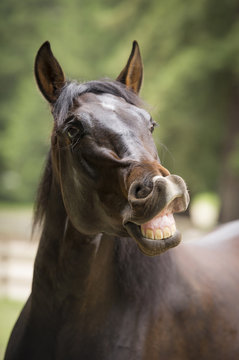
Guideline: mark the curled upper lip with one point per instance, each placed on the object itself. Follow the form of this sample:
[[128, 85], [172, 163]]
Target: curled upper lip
[[169, 193]]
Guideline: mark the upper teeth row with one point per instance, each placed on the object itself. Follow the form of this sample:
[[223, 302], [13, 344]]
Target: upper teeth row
[[159, 234]]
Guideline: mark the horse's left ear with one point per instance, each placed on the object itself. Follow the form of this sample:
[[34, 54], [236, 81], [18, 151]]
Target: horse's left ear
[[48, 72], [132, 74]]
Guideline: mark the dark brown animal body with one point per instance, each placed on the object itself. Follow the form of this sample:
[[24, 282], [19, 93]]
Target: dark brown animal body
[[107, 204]]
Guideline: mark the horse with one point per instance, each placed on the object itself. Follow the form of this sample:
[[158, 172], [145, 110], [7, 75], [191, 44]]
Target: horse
[[111, 279]]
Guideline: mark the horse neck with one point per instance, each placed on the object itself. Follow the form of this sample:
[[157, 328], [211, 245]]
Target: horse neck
[[89, 268], [66, 261]]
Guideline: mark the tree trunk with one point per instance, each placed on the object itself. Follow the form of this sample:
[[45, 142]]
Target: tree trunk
[[229, 184]]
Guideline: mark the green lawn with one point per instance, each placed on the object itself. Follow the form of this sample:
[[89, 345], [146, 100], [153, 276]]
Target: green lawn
[[9, 311]]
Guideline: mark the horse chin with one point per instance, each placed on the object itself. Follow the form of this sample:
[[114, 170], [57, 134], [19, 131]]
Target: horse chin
[[152, 247]]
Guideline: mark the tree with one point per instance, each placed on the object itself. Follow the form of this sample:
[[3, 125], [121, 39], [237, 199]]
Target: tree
[[191, 56]]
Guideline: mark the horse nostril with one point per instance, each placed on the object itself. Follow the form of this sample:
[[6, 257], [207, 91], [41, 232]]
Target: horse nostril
[[140, 190]]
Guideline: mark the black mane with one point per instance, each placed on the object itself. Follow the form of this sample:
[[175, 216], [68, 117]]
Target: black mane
[[42, 195]]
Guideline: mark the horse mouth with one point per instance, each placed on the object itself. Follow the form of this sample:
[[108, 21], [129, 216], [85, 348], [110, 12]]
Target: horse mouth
[[157, 235]]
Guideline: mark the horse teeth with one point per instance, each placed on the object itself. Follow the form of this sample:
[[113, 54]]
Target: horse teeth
[[173, 229], [150, 234], [166, 232], [143, 231], [158, 234]]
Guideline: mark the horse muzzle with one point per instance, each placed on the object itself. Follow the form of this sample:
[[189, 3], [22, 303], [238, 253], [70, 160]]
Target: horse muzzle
[[149, 218]]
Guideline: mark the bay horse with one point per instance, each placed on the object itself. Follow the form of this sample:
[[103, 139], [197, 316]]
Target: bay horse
[[106, 208]]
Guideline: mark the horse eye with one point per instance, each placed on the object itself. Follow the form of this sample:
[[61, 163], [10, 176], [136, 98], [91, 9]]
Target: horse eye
[[72, 132], [153, 126]]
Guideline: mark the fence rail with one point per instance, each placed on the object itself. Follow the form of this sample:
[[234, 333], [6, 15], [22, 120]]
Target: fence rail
[[17, 251], [16, 267]]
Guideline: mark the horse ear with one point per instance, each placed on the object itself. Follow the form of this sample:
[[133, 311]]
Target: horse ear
[[132, 74], [49, 75]]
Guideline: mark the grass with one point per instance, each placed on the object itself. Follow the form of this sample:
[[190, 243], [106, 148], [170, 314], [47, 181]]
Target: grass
[[9, 311], [8, 206]]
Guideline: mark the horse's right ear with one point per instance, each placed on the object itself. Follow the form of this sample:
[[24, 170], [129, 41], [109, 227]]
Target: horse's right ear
[[49, 75], [132, 74]]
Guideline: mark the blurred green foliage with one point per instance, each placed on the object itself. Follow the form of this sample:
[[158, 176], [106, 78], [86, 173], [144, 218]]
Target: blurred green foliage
[[191, 56], [10, 309]]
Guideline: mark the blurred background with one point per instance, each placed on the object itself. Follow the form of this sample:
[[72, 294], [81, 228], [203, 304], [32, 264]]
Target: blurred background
[[190, 51]]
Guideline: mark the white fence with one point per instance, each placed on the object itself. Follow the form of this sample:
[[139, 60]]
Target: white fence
[[16, 267], [17, 253]]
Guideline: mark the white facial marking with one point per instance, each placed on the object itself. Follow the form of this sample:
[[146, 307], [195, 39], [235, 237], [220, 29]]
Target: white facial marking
[[145, 114], [109, 106]]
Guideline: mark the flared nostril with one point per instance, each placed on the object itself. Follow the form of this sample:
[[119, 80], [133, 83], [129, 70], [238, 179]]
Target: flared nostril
[[149, 197], [140, 190]]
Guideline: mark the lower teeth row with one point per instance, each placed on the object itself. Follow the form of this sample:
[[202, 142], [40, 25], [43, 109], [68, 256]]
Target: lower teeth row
[[159, 234]]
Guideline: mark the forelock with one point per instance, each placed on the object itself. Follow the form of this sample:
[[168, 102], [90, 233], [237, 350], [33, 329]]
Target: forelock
[[72, 90]]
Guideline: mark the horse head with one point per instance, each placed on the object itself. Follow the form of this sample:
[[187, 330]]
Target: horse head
[[104, 157]]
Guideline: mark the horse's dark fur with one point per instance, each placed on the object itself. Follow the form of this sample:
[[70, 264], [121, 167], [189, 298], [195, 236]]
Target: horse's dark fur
[[61, 108], [96, 295], [72, 90]]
